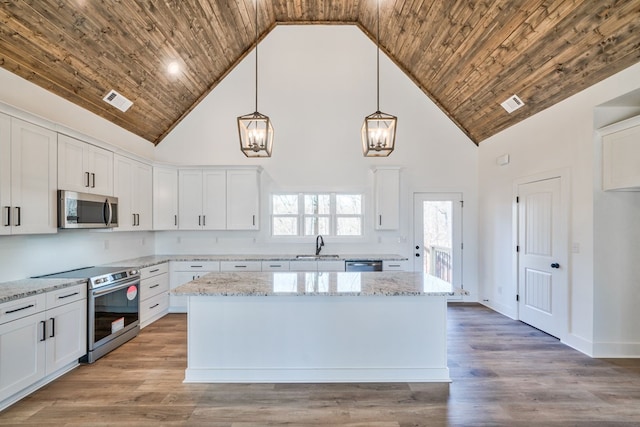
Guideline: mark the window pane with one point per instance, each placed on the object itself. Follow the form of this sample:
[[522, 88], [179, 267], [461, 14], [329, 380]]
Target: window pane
[[285, 226], [348, 204], [284, 204], [319, 204], [314, 225], [350, 226]]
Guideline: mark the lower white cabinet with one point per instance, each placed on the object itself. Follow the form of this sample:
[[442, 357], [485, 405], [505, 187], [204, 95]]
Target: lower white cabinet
[[325, 265], [183, 272], [275, 265], [395, 265], [41, 337], [154, 293], [240, 265]]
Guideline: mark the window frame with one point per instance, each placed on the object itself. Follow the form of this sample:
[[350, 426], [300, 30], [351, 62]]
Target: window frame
[[302, 215]]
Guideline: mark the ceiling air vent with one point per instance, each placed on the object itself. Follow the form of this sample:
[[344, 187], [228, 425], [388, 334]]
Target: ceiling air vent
[[117, 100], [512, 104]]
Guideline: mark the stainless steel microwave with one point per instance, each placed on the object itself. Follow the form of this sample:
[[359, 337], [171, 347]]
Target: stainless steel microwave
[[83, 210]]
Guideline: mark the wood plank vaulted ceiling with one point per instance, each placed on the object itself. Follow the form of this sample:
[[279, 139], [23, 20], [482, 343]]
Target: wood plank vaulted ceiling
[[466, 55]]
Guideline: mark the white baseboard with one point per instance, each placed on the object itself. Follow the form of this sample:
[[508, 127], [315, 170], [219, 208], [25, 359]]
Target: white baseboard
[[616, 350]]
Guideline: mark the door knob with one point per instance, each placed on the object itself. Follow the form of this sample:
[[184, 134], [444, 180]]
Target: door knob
[[555, 265], [417, 254]]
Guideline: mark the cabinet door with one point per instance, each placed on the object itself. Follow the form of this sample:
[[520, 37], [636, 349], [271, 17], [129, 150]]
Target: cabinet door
[[5, 173], [72, 172], [22, 352], [142, 196], [214, 199], [190, 199], [33, 178], [123, 190], [243, 200], [165, 199], [100, 167], [178, 304], [66, 335], [387, 199]]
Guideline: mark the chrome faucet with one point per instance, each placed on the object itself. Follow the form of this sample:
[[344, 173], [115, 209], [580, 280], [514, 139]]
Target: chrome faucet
[[319, 244]]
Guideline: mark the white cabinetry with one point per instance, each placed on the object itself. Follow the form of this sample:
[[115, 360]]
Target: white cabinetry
[[621, 155], [84, 167], [240, 266], [387, 198], [133, 188], [202, 199], [154, 293], [183, 272], [218, 199], [165, 198], [322, 265], [395, 265], [41, 337], [27, 177], [275, 265], [243, 199]]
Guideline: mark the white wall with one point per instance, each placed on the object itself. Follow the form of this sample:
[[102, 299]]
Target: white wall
[[559, 137], [317, 83]]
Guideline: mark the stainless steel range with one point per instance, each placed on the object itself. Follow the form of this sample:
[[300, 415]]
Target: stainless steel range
[[113, 307]]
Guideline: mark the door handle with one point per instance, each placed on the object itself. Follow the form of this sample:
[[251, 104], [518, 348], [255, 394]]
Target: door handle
[[8, 223], [88, 176], [555, 265], [93, 180], [18, 210]]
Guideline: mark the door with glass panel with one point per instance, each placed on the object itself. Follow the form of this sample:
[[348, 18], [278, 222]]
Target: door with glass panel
[[438, 236]]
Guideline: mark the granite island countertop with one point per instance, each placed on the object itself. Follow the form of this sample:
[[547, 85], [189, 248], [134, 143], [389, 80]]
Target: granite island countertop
[[317, 283]]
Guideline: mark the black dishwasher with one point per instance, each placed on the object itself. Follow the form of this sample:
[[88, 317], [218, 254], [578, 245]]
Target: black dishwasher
[[363, 265]]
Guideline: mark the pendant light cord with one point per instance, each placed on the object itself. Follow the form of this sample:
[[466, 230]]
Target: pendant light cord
[[256, 24], [378, 57]]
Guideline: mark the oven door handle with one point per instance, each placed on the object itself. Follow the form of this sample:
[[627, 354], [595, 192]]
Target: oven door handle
[[108, 290]]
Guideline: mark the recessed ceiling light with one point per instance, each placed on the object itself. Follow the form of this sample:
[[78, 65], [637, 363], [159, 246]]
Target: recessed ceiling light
[[173, 67]]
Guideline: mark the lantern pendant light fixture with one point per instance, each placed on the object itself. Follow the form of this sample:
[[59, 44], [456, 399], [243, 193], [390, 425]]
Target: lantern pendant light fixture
[[378, 129], [255, 129]]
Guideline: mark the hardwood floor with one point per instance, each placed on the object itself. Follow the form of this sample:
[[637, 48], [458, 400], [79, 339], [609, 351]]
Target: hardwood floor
[[504, 373]]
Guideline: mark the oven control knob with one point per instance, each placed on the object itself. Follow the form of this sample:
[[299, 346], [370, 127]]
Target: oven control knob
[[133, 273], [98, 281]]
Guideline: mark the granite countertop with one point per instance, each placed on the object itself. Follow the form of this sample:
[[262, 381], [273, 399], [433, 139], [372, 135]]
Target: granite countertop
[[151, 260], [17, 289], [317, 283]]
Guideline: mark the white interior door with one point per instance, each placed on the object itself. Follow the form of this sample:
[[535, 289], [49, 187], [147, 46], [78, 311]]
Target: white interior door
[[542, 256], [438, 236]]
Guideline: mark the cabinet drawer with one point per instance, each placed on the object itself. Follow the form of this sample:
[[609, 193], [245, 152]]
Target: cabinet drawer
[[153, 307], [275, 265], [154, 270], [240, 266], [22, 307], [195, 266], [395, 265], [66, 295], [153, 286]]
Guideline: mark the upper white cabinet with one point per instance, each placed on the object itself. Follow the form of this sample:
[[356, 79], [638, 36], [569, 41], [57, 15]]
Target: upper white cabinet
[[84, 167], [133, 188], [387, 198], [243, 199], [218, 199], [27, 177], [165, 198], [621, 155]]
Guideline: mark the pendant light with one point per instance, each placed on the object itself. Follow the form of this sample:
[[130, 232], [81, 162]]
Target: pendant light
[[255, 129], [378, 129]]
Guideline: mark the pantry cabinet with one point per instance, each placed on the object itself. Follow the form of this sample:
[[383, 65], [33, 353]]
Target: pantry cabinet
[[165, 198], [133, 188], [28, 171], [83, 167]]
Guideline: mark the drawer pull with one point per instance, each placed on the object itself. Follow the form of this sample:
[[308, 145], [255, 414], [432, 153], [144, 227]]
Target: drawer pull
[[154, 286], [240, 266], [394, 265], [154, 271], [196, 266], [69, 295], [15, 310], [275, 266], [154, 306]]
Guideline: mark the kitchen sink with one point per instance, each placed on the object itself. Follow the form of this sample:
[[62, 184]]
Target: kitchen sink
[[317, 256]]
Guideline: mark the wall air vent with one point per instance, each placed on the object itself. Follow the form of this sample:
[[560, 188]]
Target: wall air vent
[[117, 100], [512, 104]]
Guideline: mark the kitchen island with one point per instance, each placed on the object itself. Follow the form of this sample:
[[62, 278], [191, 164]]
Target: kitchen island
[[316, 327]]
